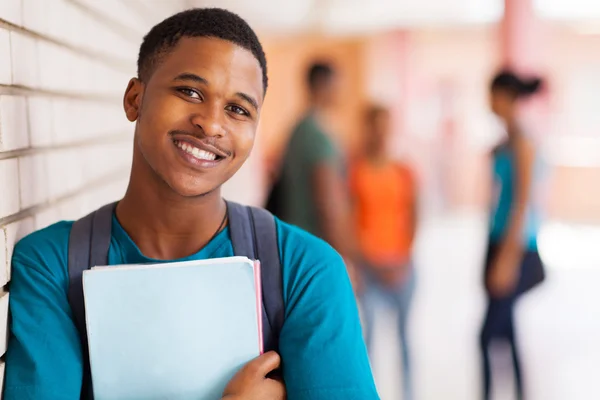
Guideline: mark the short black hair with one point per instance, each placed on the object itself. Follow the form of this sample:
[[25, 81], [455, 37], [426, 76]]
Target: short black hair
[[319, 74], [198, 22], [509, 82]]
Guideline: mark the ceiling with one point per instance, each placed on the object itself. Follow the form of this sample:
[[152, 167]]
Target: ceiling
[[356, 16], [367, 16], [572, 10]]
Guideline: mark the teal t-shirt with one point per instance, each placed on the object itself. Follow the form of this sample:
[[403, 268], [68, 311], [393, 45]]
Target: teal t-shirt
[[504, 172], [309, 147], [321, 345]]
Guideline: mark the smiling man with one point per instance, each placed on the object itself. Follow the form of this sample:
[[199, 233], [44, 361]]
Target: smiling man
[[196, 102]]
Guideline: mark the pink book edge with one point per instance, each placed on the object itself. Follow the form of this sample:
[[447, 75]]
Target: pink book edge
[[259, 305]]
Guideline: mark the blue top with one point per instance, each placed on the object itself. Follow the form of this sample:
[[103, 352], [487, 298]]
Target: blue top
[[504, 172], [321, 345]]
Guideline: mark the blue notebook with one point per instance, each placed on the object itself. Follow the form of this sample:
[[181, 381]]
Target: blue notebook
[[174, 331]]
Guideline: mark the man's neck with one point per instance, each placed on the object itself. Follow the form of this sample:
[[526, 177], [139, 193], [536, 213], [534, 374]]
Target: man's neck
[[321, 117], [318, 111], [165, 225], [377, 158]]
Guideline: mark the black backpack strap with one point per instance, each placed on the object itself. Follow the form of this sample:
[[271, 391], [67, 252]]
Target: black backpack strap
[[254, 235], [89, 242]]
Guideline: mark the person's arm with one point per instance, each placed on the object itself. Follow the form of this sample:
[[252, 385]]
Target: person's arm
[[414, 206], [321, 345], [333, 205], [504, 273], [43, 360]]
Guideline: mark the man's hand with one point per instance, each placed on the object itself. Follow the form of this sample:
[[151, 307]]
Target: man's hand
[[251, 382], [503, 275]]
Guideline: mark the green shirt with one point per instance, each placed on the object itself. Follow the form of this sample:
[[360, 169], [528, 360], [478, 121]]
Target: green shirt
[[321, 346], [308, 147]]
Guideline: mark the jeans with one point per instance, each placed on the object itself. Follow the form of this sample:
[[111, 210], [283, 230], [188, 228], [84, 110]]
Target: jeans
[[400, 298]]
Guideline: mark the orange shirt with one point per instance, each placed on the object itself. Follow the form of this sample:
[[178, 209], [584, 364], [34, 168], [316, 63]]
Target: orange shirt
[[384, 201]]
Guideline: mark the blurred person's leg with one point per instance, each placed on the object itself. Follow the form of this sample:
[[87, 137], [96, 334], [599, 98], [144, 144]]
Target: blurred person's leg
[[402, 297], [499, 325], [516, 360], [532, 275], [495, 317], [398, 296], [368, 299]]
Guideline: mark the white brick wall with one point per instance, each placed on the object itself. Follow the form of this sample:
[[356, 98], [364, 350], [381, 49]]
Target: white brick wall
[[65, 144], [5, 67], [3, 327], [10, 10], [13, 123], [25, 60], [9, 182]]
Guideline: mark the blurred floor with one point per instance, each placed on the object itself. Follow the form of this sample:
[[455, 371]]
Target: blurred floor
[[558, 324]]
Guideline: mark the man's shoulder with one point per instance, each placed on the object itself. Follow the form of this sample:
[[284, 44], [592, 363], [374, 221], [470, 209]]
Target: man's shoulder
[[47, 245], [49, 236], [307, 129], [307, 261], [303, 244], [305, 122]]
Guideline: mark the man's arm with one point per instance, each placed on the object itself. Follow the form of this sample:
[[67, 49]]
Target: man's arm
[[43, 360], [524, 156], [414, 203], [321, 345], [333, 205]]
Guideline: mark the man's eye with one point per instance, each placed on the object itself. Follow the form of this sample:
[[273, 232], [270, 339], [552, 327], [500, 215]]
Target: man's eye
[[237, 110], [190, 93]]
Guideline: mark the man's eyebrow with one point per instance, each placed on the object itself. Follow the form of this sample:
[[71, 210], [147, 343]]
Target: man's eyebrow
[[188, 76], [248, 99]]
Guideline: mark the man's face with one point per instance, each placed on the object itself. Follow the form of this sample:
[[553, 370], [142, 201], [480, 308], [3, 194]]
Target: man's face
[[501, 104], [197, 114], [378, 129], [381, 129], [329, 92]]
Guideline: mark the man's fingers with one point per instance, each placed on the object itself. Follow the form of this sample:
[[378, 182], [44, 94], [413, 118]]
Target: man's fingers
[[265, 363], [276, 390]]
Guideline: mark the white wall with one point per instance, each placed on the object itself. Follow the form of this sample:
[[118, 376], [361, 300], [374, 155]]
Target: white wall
[[65, 144]]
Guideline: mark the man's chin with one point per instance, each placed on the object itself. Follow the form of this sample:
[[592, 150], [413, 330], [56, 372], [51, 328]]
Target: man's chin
[[194, 191]]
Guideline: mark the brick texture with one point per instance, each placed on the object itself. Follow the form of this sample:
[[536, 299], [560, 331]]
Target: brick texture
[[65, 144]]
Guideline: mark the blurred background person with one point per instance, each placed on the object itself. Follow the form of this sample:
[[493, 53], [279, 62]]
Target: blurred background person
[[513, 265], [384, 206], [310, 191]]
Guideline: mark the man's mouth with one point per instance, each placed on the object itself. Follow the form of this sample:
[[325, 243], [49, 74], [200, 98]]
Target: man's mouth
[[196, 152], [199, 153]]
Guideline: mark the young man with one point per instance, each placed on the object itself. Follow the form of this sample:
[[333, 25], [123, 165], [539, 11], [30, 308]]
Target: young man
[[196, 105], [312, 184]]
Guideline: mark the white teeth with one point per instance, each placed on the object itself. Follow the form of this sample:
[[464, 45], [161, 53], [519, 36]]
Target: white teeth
[[196, 152]]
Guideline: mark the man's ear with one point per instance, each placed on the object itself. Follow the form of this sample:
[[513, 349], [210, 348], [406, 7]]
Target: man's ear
[[132, 100]]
